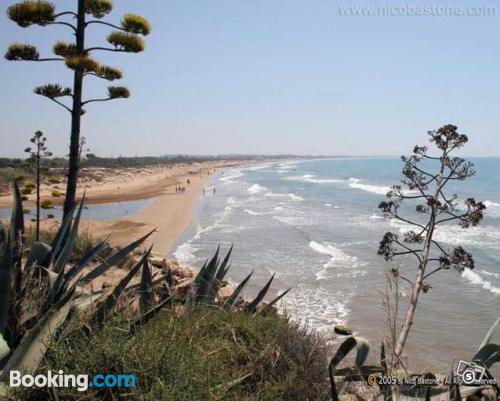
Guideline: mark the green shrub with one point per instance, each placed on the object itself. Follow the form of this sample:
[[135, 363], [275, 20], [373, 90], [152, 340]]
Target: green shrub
[[54, 180], [46, 204], [26, 191], [206, 354], [55, 193], [24, 198]]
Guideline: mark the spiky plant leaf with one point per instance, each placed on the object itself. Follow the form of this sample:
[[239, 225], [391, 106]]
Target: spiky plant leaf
[[82, 63], [6, 268], [58, 240], [275, 301], [118, 92], [221, 272], [126, 42], [252, 306], [20, 52], [64, 49], [146, 287], [16, 235], [224, 266], [488, 355], [107, 305], [149, 315], [109, 73], [4, 348], [490, 334], [31, 12], [74, 270], [39, 255], [205, 280], [136, 24], [113, 260], [98, 8], [70, 241], [362, 349], [234, 296], [27, 356], [52, 91]]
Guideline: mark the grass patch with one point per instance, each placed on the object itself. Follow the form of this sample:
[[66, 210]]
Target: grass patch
[[208, 354]]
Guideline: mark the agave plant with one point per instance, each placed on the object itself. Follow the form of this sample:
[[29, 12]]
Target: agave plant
[[24, 336], [208, 281], [487, 355]]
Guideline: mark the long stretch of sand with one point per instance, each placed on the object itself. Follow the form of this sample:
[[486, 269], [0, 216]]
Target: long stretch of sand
[[169, 215]]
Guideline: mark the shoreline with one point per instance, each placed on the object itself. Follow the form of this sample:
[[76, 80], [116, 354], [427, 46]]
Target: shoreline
[[169, 215]]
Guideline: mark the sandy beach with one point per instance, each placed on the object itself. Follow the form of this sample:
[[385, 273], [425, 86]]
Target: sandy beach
[[169, 215]]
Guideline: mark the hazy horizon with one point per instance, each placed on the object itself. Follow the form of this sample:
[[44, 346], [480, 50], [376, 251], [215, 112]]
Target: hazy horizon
[[261, 78]]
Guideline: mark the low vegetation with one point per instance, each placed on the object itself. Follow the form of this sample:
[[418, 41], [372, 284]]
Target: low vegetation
[[204, 354]]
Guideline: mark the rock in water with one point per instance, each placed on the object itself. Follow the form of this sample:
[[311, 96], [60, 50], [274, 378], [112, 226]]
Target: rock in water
[[342, 330]]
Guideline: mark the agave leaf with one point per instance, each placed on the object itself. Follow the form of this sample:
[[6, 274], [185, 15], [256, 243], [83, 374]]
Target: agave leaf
[[252, 306], [3, 237], [27, 356], [51, 275], [57, 241], [105, 307], [113, 260], [39, 255], [219, 276], [16, 237], [70, 241], [275, 301], [362, 349], [221, 273], [205, 280], [146, 287], [17, 219], [81, 304], [6, 267], [490, 334], [149, 315], [488, 355], [85, 260], [234, 296], [4, 348], [454, 389]]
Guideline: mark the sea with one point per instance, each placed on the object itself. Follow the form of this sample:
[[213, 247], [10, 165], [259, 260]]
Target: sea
[[315, 224]]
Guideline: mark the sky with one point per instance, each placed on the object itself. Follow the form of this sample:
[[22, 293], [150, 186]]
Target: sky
[[267, 77]]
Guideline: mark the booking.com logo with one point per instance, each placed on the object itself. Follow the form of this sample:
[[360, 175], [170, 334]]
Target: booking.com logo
[[81, 382]]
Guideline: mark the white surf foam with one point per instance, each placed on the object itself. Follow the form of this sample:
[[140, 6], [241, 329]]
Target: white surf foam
[[234, 174], [256, 189], [292, 196], [376, 189], [185, 253], [311, 179], [487, 273], [338, 259], [317, 307], [253, 213], [476, 279]]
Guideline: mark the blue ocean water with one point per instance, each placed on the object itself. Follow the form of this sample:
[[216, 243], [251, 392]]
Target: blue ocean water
[[316, 225]]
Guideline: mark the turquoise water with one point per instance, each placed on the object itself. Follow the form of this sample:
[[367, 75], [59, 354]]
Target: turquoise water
[[316, 225], [102, 212]]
